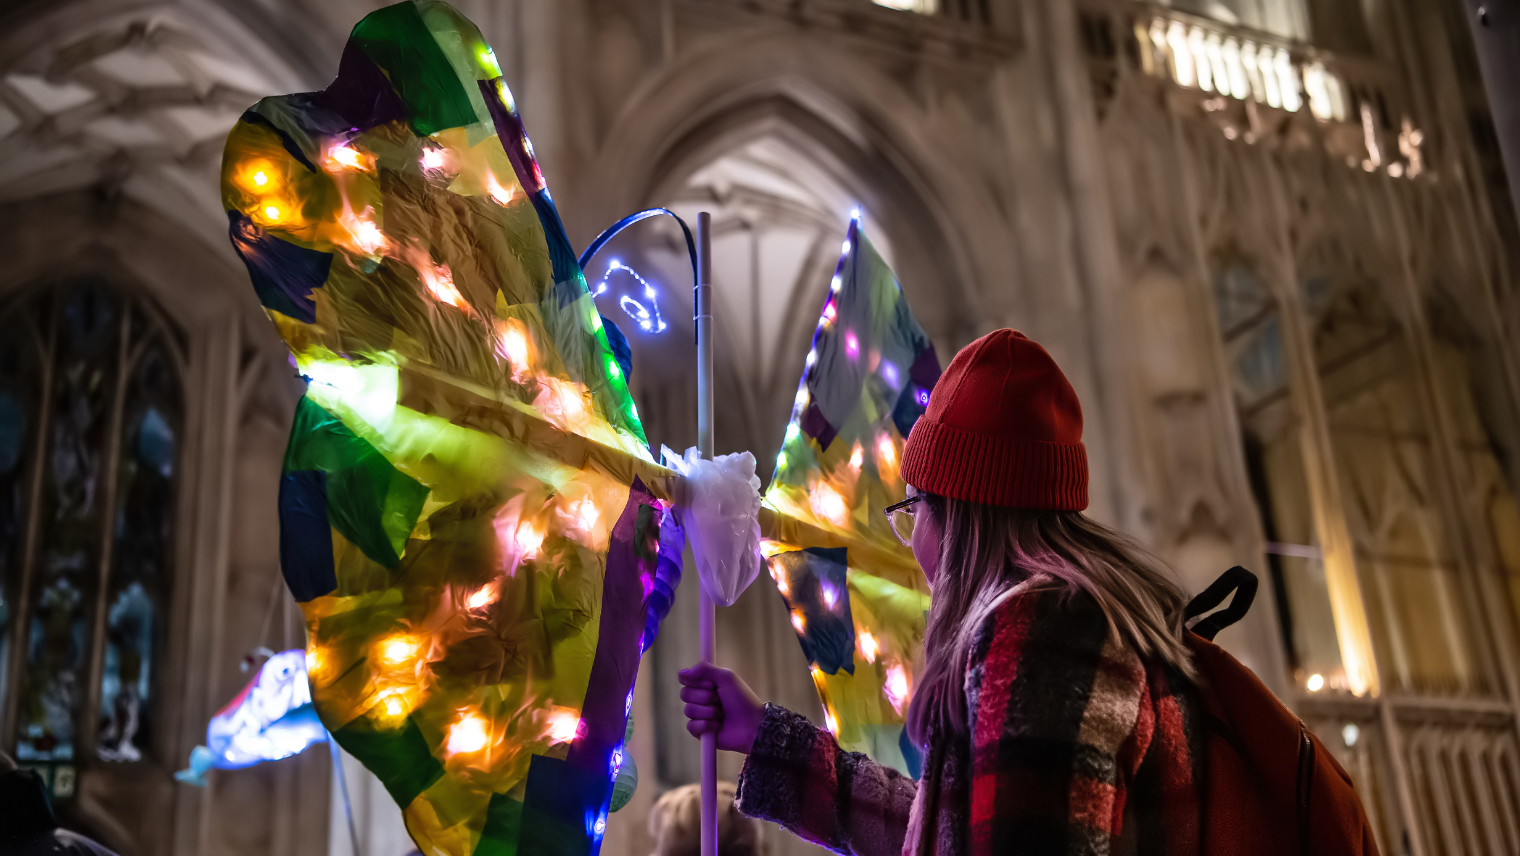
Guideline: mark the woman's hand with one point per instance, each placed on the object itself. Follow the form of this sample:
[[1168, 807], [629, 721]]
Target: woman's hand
[[717, 702]]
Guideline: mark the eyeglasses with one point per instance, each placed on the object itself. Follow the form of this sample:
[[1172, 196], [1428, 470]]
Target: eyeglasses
[[900, 515]]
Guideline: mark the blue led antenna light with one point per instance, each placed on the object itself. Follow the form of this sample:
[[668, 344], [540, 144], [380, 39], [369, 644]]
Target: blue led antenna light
[[648, 318]]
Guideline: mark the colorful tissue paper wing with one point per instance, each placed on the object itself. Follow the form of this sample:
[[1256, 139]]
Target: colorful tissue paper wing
[[470, 518], [856, 597]]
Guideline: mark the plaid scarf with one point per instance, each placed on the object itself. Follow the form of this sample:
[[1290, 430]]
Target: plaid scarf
[[1075, 746]]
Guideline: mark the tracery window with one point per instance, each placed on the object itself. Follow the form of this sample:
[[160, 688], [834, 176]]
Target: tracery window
[[1249, 318], [91, 422], [1420, 612]]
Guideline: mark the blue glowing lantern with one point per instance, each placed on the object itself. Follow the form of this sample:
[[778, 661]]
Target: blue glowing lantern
[[272, 718]]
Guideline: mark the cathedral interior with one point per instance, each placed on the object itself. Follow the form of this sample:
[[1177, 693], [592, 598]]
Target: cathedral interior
[[1269, 241]]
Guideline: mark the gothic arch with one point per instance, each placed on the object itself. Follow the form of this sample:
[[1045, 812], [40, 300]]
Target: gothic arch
[[852, 120], [133, 102]]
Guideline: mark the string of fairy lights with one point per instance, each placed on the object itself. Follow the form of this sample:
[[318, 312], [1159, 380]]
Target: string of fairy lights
[[647, 317]]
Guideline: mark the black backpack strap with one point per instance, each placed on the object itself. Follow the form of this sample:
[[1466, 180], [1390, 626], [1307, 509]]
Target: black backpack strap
[[1237, 580]]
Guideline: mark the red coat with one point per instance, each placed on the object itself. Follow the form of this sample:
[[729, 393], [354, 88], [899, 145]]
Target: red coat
[[1075, 746]]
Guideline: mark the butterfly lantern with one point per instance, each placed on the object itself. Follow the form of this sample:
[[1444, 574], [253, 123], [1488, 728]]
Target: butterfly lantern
[[470, 517]]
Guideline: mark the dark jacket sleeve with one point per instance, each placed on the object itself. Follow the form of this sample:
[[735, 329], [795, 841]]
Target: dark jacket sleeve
[[796, 775]]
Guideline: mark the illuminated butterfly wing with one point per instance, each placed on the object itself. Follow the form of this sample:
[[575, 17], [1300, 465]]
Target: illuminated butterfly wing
[[856, 596], [469, 513]]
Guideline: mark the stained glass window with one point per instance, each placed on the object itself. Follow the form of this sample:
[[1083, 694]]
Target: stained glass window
[[90, 419]]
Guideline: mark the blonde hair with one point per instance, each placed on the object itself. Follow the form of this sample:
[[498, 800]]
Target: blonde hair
[[675, 824], [987, 551]]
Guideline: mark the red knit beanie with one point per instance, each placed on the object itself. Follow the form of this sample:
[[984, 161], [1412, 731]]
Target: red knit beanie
[[1003, 427]]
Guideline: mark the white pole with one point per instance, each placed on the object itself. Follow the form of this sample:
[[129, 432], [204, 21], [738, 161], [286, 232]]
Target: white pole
[[705, 446]]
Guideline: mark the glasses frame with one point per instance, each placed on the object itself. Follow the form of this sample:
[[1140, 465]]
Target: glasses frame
[[905, 505]]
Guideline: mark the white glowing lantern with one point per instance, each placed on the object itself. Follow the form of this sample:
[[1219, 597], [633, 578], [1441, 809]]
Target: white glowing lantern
[[830, 505], [347, 157], [587, 514], [399, 650], [868, 647], [501, 195], [564, 726], [512, 345], [470, 734], [482, 596], [364, 235], [528, 539], [896, 687]]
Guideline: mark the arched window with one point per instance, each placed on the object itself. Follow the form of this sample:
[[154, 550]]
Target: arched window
[[1250, 320], [91, 421]]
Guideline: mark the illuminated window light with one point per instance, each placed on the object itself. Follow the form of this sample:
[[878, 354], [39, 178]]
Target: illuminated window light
[[1350, 733], [1182, 56], [1200, 57], [1287, 82]]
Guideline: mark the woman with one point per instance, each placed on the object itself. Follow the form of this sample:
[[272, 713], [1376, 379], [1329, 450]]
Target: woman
[[1054, 706]]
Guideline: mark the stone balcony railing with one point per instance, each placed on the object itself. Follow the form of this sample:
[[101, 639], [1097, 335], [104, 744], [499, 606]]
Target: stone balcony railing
[[1256, 85]]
